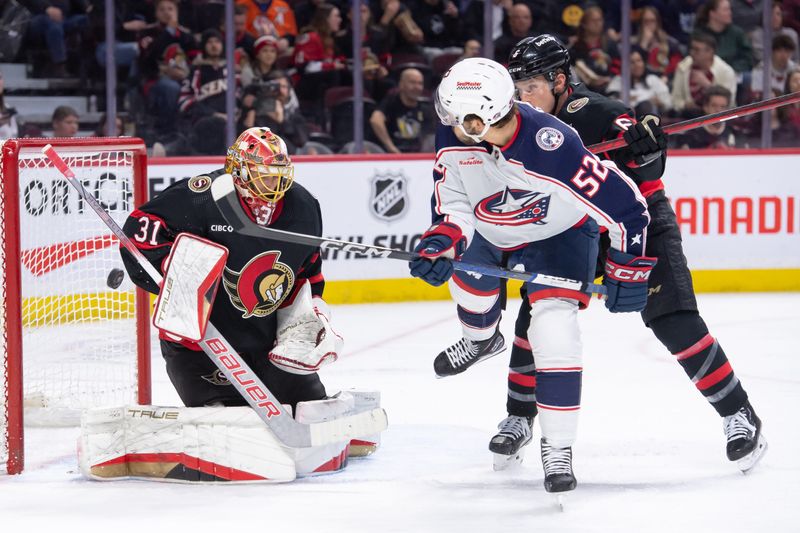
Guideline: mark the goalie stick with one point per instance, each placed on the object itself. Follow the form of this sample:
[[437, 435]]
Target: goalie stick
[[227, 200], [292, 433]]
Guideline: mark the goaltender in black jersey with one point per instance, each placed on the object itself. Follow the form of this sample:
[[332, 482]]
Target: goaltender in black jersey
[[261, 276]]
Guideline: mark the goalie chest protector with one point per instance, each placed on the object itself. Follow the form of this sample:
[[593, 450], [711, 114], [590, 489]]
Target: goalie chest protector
[[260, 275]]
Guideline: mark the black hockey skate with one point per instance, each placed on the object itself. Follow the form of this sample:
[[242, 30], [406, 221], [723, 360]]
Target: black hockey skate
[[465, 353], [508, 445], [746, 445], [557, 464]]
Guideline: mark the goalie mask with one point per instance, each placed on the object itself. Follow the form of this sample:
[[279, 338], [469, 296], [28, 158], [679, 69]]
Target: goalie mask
[[260, 165]]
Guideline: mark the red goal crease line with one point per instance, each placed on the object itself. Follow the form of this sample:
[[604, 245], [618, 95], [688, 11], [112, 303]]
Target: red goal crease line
[[45, 259]]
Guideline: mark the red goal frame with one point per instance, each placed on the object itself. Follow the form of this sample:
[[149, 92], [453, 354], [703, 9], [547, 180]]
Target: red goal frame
[[9, 191]]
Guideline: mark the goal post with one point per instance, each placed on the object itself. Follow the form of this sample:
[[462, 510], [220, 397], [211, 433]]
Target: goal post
[[74, 331]]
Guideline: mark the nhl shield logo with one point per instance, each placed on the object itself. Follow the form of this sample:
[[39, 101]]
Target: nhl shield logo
[[389, 196]]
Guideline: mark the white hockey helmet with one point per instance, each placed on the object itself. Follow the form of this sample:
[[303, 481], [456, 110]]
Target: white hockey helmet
[[474, 86]]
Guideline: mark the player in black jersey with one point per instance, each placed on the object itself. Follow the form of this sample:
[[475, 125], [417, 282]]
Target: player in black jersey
[[262, 276], [540, 67]]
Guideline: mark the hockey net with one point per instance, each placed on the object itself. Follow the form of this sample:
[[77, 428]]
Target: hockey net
[[70, 337]]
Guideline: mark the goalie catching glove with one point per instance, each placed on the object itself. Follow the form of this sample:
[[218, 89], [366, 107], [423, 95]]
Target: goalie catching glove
[[306, 341]]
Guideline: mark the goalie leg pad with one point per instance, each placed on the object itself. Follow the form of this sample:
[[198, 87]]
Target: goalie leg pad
[[185, 445], [332, 458]]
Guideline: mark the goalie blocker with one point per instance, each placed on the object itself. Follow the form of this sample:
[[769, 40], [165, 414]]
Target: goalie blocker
[[213, 444]]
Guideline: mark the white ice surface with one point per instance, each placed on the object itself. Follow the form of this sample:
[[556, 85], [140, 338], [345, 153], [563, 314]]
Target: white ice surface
[[649, 457]]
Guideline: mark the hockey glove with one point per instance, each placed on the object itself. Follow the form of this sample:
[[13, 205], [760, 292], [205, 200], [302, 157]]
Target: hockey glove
[[646, 140], [438, 245], [305, 340], [626, 281]]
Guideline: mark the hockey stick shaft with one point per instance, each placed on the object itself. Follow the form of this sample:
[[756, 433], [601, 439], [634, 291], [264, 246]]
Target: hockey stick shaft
[[722, 116], [227, 201], [292, 433]]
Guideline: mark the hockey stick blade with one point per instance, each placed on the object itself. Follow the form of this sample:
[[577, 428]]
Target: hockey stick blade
[[289, 431], [228, 203]]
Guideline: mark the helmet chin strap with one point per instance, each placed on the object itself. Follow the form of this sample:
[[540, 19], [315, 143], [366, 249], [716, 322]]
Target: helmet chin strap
[[477, 138], [556, 95]]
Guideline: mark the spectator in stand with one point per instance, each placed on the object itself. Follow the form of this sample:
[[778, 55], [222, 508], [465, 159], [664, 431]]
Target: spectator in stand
[[595, 56], [373, 37], [52, 20], [304, 11], [679, 17], [131, 17], [65, 122], [748, 14], [266, 50], [791, 14], [377, 82], [520, 22], [402, 122], [405, 35], [757, 37], [271, 17], [102, 126], [277, 108], [733, 46], [319, 64], [718, 135], [8, 120], [649, 94], [265, 53], [243, 38], [202, 100], [782, 50], [472, 48], [440, 24], [662, 52], [789, 115], [163, 65], [702, 69], [472, 19]]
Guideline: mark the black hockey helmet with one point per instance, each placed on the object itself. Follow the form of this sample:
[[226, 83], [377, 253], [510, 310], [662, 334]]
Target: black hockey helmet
[[541, 55]]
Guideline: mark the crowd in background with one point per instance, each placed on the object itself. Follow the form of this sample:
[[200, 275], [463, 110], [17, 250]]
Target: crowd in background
[[293, 64]]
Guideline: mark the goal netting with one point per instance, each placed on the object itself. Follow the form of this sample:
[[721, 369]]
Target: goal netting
[[74, 334]]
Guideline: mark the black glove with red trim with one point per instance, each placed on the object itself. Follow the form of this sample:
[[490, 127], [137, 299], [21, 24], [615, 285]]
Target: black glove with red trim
[[646, 140], [441, 243], [626, 281]]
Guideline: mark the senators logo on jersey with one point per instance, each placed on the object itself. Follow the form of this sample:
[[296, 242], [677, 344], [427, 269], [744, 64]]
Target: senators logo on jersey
[[513, 207], [261, 286]]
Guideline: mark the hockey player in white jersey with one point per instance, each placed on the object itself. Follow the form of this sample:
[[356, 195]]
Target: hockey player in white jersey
[[514, 185]]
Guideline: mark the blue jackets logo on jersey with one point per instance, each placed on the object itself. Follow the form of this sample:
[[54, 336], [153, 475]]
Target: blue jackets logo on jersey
[[513, 207], [549, 139], [389, 198]]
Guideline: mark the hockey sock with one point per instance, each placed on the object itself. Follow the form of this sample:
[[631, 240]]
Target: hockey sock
[[686, 336], [521, 368], [480, 326]]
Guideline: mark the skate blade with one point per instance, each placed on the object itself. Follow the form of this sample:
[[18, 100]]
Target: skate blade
[[748, 462], [560, 499], [508, 462]]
